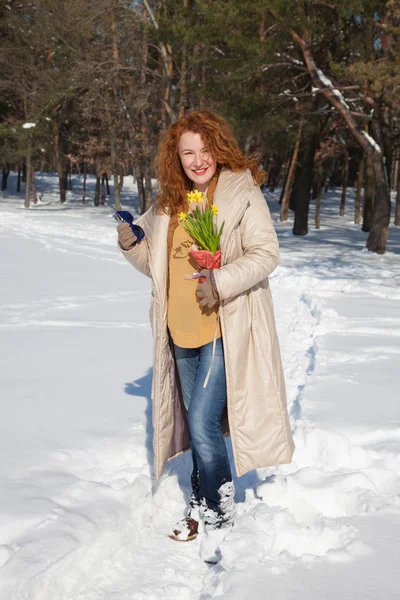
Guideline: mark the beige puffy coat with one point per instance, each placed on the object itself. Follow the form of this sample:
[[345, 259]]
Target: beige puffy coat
[[258, 421]]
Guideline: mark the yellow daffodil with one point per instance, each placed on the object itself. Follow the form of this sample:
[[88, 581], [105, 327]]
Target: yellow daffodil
[[182, 217], [195, 196], [214, 210]]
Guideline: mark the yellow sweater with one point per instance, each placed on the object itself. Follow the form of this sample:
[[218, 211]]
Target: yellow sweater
[[190, 326]]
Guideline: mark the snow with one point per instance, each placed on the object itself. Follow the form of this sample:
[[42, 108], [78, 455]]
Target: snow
[[81, 515], [372, 142], [328, 83]]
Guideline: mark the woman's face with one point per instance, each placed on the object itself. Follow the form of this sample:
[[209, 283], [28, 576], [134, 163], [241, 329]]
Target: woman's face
[[197, 162]]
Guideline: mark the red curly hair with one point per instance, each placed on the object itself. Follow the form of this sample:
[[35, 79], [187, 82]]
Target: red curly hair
[[217, 137]]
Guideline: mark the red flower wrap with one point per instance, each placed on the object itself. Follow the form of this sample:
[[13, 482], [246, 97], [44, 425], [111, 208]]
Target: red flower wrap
[[206, 260]]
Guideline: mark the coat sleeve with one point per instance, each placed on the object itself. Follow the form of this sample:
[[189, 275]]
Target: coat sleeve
[[138, 256], [260, 251]]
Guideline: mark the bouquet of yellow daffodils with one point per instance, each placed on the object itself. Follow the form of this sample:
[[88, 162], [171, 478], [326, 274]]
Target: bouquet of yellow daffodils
[[200, 222]]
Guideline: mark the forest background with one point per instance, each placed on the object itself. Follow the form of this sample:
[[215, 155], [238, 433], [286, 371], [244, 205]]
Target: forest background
[[311, 88]]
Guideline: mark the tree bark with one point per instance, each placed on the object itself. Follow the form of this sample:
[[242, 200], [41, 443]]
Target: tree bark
[[140, 186], [147, 196], [148, 190], [28, 176], [397, 209], [290, 177], [107, 184], [97, 191], [19, 177], [6, 173], [301, 192], [369, 195], [34, 192], [84, 183], [360, 179], [320, 180], [378, 234], [69, 175], [62, 179], [114, 170], [103, 189], [345, 177], [395, 174], [184, 67]]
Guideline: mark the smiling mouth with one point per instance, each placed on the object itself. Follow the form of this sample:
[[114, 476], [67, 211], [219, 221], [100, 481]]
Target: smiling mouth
[[200, 171]]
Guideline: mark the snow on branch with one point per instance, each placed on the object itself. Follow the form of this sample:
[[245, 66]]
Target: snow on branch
[[328, 83], [372, 142], [326, 87]]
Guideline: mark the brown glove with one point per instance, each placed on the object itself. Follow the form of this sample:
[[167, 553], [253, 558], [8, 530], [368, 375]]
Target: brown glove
[[207, 292], [126, 238]]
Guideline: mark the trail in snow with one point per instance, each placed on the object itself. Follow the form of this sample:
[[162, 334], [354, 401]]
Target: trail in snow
[[81, 516]]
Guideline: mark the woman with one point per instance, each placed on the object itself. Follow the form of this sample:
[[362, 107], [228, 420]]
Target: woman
[[230, 312]]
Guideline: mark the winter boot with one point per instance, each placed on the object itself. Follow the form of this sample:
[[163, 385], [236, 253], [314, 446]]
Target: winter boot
[[187, 528], [218, 522], [210, 550]]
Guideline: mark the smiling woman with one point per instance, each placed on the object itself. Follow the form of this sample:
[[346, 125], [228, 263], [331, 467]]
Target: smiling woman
[[217, 367], [196, 142], [197, 162]]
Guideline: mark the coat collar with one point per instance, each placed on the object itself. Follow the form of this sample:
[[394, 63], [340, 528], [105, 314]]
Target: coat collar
[[231, 197]]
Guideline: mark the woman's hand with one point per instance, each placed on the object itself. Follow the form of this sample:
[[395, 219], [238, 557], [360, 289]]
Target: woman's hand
[[206, 292], [126, 238]]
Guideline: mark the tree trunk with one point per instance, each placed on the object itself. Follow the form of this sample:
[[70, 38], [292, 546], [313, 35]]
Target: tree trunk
[[148, 190], [147, 194], [6, 173], [369, 195], [140, 185], [320, 180], [28, 173], [34, 192], [395, 174], [397, 209], [115, 169], [62, 179], [290, 177], [183, 82], [120, 185], [360, 179], [97, 191], [84, 183], [344, 182], [378, 235], [103, 189], [19, 177], [70, 175], [301, 192], [107, 184]]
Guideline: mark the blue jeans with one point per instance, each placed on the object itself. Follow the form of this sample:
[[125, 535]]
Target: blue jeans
[[204, 407]]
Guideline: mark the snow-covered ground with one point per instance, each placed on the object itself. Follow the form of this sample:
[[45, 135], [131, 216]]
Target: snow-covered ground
[[81, 517]]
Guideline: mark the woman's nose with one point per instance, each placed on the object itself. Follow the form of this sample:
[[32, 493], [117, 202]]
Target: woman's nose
[[198, 160]]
